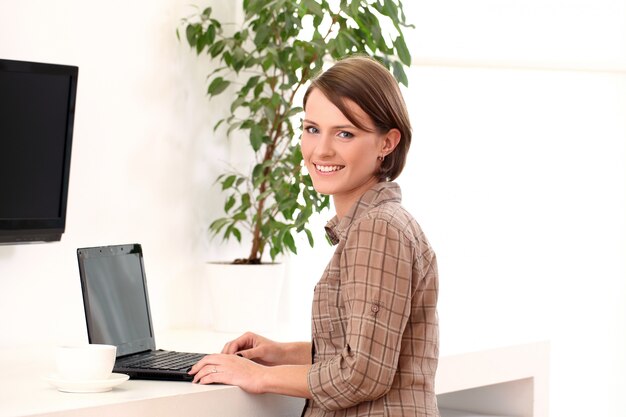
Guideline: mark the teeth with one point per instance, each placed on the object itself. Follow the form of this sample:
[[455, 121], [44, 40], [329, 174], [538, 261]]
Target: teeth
[[328, 168]]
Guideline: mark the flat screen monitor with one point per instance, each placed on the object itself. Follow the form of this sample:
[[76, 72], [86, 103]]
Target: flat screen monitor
[[37, 105]]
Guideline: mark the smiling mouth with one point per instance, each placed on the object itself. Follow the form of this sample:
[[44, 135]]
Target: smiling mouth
[[328, 168]]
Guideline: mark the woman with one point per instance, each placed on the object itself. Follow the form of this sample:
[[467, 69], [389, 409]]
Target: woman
[[375, 330]]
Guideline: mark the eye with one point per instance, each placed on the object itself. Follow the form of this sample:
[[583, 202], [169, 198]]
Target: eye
[[311, 129], [345, 135]]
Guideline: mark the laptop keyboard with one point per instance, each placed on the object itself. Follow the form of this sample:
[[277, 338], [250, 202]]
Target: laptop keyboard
[[162, 360]]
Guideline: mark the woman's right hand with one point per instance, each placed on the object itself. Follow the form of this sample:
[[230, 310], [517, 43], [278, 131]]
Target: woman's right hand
[[257, 348]]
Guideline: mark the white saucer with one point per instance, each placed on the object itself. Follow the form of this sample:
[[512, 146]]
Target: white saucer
[[102, 385]]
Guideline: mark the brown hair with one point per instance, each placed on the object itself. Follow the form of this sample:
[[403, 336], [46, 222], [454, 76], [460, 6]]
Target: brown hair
[[371, 86]]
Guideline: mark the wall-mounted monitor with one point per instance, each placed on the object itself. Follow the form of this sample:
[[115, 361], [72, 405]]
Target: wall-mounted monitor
[[37, 105]]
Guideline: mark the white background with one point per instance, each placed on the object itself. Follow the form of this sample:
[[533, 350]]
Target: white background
[[516, 174]]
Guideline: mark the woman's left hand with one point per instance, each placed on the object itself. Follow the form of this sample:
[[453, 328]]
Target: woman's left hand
[[231, 370]]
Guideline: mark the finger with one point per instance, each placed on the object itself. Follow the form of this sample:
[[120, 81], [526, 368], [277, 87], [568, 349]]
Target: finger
[[235, 345], [196, 367], [227, 347], [245, 354], [208, 374], [207, 360], [211, 378], [244, 341], [251, 354]]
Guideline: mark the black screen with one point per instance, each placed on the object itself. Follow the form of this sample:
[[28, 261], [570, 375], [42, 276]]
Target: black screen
[[116, 301], [37, 106], [33, 119]]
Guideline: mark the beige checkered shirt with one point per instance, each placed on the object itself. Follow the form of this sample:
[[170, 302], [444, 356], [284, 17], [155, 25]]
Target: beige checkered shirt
[[375, 331]]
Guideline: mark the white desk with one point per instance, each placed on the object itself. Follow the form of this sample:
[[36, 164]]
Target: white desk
[[509, 381]]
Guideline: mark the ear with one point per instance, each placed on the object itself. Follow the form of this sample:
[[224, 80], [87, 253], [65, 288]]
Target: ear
[[390, 141]]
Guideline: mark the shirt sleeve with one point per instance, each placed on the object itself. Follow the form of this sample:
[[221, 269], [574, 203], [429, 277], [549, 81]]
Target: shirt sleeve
[[376, 287]]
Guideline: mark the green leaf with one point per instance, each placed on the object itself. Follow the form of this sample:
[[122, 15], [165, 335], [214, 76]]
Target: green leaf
[[403, 51], [239, 216], [233, 126], [192, 32], [216, 23], [237, 103], [234, 231], [273, 252], [261, 38], [313, 7], [267, 63], [241, 36], [200, 44], [354, 6], [217, 86], [247, 124], [258, 89], [237, 234], [257, 173], [309, 236], [289, 242], [245, 201], [239, 58], [218, 124], [218, 224], [399, 74], [229, 203], [252, 81], [256, 137], [265, 194], [253, 7], [216, 48], [228, 182], [209, 35]]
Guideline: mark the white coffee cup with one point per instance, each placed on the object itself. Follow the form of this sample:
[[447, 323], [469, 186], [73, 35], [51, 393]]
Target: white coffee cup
[[86, 362]]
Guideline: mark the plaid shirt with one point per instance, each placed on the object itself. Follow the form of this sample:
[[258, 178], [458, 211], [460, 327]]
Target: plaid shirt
[[375, 332]]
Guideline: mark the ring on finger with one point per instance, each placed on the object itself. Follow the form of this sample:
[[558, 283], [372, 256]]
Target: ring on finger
[[214, 370]]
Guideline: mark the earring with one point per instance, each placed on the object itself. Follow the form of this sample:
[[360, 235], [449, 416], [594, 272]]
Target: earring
[[381, 158]]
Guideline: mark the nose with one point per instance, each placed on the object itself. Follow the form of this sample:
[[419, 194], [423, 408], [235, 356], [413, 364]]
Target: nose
[[324, 146]]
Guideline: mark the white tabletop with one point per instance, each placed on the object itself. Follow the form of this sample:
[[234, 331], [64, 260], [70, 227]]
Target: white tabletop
[[24, 392]]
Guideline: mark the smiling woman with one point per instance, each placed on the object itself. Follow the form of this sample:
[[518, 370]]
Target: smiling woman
[[377, 109], [375, 338], [342, 159], [354, 137]]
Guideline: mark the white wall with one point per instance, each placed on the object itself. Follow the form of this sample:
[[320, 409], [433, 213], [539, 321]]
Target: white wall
[[516, 174], [143, 161]]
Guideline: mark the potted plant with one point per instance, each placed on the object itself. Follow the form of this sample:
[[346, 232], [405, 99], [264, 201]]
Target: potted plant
[[268, 61]]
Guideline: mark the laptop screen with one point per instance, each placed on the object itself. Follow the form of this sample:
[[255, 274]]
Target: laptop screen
[[115, 297]]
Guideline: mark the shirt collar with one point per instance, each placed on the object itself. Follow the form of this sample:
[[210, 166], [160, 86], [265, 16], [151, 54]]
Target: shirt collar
[[380, 193]]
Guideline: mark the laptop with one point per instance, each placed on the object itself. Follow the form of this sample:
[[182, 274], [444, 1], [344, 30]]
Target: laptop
[[117, 310]]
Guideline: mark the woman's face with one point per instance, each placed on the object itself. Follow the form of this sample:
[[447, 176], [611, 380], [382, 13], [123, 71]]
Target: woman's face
[[341, 159]]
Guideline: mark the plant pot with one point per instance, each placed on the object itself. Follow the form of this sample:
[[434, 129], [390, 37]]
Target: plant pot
[[242, 297]]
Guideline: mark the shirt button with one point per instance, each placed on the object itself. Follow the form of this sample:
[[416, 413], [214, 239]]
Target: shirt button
[[375, 308]]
